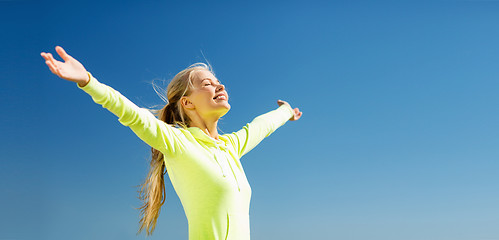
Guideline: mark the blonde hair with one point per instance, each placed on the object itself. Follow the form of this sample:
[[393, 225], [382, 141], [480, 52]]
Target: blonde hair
[[152, 191]]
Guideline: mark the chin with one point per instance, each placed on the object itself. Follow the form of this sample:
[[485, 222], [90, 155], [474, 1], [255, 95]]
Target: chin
[[225, 110], [224, 105]]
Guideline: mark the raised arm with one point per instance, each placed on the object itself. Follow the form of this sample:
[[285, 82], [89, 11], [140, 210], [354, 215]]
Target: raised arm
[[144, 124], [262, 126]]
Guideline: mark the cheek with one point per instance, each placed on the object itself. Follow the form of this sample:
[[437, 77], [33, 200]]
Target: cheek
[[202, 98]]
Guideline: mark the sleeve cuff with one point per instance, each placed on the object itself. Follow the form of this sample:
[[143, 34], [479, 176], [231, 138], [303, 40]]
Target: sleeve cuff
[[286, 108], [94, 88], [90, 77]]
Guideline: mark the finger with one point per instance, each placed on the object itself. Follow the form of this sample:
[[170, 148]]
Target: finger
[[62, 53], [297, 116], [53, 60], [51, 67], [54, 63], [298, 113], [50, 57], [44, 55]]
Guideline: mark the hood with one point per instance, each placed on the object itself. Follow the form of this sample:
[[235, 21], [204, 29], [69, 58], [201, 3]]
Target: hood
[[203, 137]]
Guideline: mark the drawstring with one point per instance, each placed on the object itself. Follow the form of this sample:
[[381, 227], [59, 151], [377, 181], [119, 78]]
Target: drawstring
[[202, 136], [221, 168], [230, 165]]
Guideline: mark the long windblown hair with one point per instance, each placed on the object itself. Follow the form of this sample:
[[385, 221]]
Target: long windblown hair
[[152, 191]]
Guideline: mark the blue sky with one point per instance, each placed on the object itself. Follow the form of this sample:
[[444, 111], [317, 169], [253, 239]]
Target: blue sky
[[398, 139]]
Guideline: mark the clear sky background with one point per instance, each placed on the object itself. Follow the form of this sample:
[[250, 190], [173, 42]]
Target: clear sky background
[[398, 140]]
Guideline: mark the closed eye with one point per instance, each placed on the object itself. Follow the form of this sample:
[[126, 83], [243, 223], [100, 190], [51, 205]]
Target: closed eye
[[206, 82]]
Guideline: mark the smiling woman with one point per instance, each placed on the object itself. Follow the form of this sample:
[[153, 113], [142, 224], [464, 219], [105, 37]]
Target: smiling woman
[[207, 100], [204, 167]]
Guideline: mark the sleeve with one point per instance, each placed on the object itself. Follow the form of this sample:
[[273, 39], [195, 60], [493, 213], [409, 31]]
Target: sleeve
[[143, 123], [261, 127]]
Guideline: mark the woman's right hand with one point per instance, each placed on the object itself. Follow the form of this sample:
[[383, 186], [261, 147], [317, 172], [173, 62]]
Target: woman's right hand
[[70, 69]]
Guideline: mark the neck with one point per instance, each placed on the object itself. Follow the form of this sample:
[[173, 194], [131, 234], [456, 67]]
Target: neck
[[209, 126]]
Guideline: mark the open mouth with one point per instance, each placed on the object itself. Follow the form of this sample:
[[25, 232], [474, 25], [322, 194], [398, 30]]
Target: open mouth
[[220, 97]]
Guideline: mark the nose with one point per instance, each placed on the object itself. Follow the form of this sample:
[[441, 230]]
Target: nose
[[220, 87]]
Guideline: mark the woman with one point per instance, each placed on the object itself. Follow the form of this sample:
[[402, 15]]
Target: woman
[[203, 166]]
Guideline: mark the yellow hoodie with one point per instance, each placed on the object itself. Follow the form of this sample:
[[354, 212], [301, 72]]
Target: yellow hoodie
[[206, 173]]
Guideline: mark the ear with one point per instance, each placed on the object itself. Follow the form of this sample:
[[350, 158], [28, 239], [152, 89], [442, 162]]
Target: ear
[[186, 103]]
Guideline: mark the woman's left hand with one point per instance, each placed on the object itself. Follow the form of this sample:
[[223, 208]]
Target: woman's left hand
[[296, 112]]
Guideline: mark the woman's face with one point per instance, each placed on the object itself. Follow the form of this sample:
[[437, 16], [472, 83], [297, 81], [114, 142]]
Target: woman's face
[[208, 97]]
